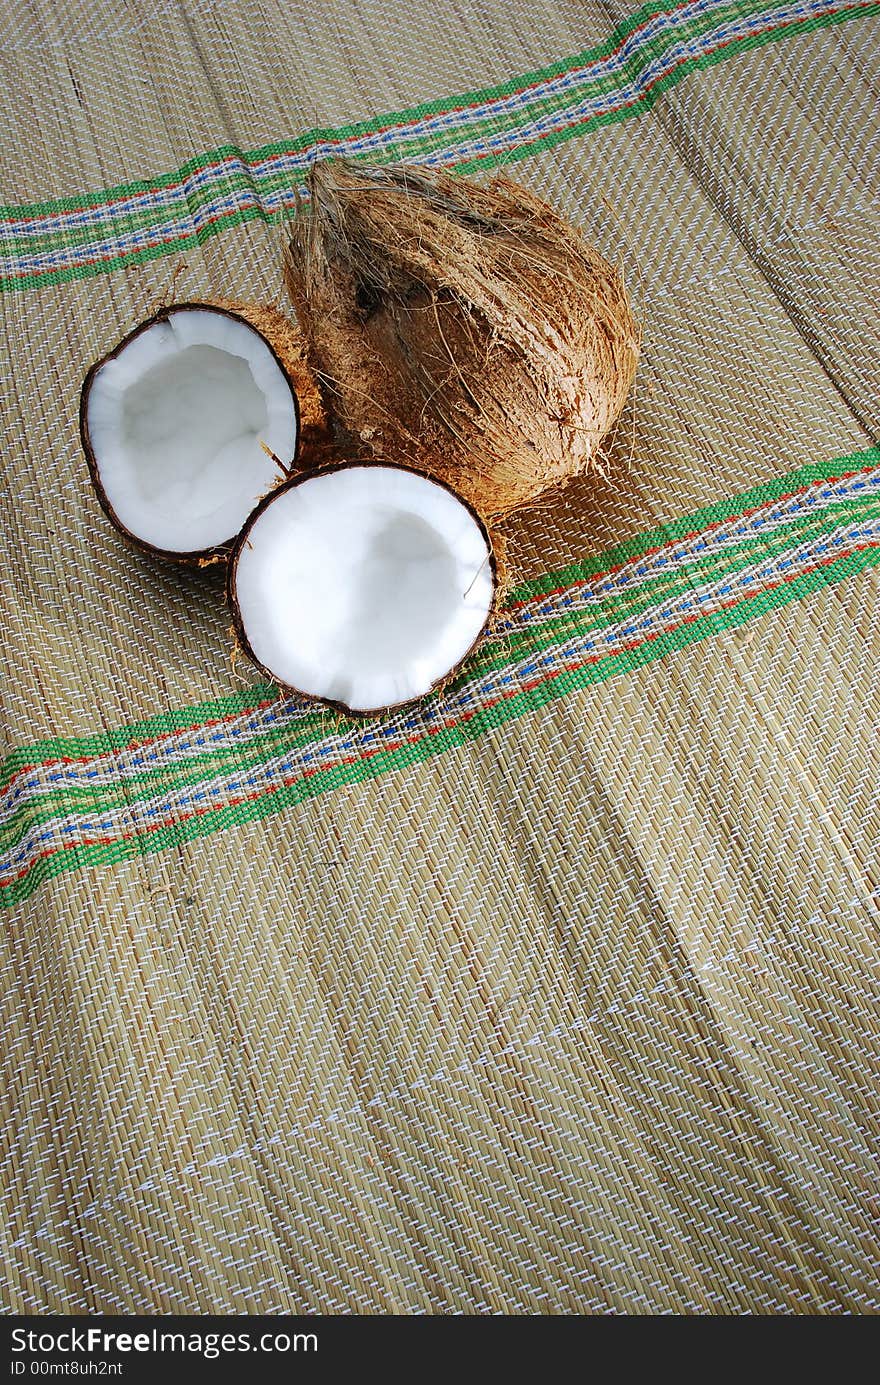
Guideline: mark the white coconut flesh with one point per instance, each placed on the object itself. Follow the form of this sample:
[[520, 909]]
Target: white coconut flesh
[[176, 419], [363, 586]]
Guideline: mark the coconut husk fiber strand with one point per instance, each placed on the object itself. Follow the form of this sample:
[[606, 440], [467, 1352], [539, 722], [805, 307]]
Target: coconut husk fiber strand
[[576, 1013]]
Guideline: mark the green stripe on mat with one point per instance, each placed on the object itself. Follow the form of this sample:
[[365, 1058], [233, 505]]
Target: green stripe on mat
[[199, 235], [81, 857], [720, 511], [52, 826], [203, 714], [417, 146], [380, 123], [249, 753]]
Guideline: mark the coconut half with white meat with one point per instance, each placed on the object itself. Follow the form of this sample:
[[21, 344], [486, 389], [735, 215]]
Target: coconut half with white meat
[[362, 586], [192, 419]]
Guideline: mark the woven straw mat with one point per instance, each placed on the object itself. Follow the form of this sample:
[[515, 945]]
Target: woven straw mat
[[556, 994]]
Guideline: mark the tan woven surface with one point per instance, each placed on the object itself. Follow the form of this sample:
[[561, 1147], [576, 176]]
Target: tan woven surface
[[580, 1016]]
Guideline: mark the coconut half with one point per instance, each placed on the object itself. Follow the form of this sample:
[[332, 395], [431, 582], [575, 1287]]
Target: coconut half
[[362, 586], [178, 423]]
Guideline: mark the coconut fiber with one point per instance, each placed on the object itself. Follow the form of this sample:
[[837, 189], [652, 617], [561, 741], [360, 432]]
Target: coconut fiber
[[555, 994]]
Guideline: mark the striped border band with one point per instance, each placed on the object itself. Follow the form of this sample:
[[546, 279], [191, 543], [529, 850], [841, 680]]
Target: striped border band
[[96, 233], [86, 801]]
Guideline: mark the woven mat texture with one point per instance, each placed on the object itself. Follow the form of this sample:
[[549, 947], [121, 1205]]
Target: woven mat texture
[[565, 1000]]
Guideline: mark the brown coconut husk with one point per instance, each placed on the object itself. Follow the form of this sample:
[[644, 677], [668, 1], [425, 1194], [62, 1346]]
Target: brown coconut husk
[[464, 329]]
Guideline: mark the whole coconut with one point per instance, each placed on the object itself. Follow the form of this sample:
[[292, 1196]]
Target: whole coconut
[[464, 329]]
